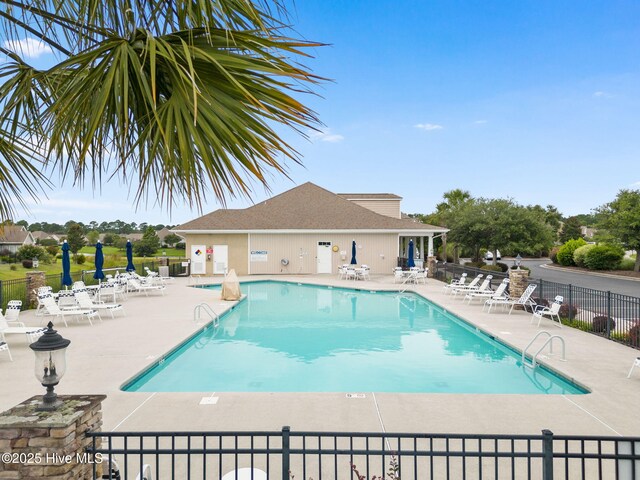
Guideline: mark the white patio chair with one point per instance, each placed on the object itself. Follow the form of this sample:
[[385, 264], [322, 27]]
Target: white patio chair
[[636, 363], [4, 347], [32, 333], [41, 291], [455, 283], [136, 286], [472, 285], [52, 309], [350, 274], [483, 287], [524, 300], [84, 301], [552, 312], [364, 272], [12, 312], [499, 292], [66, 299]]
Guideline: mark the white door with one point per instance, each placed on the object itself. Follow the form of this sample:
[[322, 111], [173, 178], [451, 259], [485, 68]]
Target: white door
[[220, 259], [198, 260], [324, 257]]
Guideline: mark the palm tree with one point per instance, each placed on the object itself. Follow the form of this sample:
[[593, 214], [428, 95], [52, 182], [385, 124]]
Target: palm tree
[[177, 98]]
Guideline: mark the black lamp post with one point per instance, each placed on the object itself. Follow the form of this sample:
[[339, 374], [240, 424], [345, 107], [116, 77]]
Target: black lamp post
[[50, 350], [518, 261]]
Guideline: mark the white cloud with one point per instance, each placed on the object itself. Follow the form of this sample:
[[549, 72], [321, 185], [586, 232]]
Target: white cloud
[[429, 126], [601, 94], [480, 122], [28, 47], [325, 135]]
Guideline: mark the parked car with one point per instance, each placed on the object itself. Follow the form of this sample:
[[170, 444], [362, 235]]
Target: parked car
[[489, 255]]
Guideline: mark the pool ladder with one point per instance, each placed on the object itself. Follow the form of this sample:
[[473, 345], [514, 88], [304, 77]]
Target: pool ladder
[[548, 341], [208, 310]]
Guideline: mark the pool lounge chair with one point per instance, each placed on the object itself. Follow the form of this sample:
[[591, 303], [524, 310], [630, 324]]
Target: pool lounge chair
[[84, 301], [52, 309], [636, 363], [12, 312], [472, 285], [32, 333], [137, 286], [552, 312], [500, 292], [483, 287], [524, 300], [455, 283]]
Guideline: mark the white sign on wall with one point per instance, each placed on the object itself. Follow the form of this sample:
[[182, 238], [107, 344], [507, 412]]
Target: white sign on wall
[[259, 256]]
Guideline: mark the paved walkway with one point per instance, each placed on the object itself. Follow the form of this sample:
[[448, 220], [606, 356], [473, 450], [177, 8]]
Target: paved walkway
[[103, 357]]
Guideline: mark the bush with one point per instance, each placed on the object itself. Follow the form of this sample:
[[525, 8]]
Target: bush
[[568, 311], [565, 253], [53, 250], [27, 263], [503, 266], [28, 252], [13, 267], [553, 254], [513, 267], [6, 259], [80, 259], [5, 252], [580, 254], [599, 323], [182, 246], [627, 264], [634, 335], [479, 264], [603, 257], [491, 268]]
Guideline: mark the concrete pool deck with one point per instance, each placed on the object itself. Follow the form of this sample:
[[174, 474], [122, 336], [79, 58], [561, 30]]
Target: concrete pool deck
[[103, 357]]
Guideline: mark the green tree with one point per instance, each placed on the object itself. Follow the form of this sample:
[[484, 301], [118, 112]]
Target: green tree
[[570, 230], [188, 96], [446, 211], [119, 242], [75, 239], [149, 244], [172, 239], [93, 236], [621, 218]]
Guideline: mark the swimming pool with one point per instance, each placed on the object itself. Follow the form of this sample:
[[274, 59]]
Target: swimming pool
[[287, 337]]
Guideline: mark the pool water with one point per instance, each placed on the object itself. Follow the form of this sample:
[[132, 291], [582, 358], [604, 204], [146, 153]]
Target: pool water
[[287, 337]]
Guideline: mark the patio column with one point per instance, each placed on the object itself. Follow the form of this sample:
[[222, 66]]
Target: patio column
[[430, 253], [422, 255]]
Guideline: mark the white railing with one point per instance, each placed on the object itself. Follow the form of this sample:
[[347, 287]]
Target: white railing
[[208, 310]]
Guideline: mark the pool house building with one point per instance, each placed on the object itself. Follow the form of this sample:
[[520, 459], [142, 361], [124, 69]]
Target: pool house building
[[306, 230]]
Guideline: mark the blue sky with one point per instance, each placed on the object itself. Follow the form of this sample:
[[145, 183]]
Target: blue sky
[[534, 100]]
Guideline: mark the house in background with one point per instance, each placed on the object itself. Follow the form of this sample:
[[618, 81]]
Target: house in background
[[40, 235], [12, 237], [164, 232], [305, 230], [588, 232]]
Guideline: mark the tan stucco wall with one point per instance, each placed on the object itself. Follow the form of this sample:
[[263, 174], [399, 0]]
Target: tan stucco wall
[[237, 249], [379, 251]]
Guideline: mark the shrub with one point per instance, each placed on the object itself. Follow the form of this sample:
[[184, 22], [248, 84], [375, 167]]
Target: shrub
[[603, 257], [80, 259], [6, 259], [634, 335], [13, 267], [599, 323], [580, 254], [479, 264], [5, 252], [565, 253], [627, 264], [553, 254], [27, 263], [182, 246], [53, 250], [513, 267], [568, 311], [491, 268], [503, 266], [28, 252]]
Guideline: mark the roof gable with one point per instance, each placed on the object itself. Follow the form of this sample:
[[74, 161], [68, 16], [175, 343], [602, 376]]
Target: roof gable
[[306, 207]]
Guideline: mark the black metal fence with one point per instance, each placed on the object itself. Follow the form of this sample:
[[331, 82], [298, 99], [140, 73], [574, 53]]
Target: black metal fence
[[290, 455], [16, 289], [611, 315]]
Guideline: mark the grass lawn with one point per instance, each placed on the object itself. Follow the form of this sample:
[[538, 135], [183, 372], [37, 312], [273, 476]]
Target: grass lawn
[[6, 273]]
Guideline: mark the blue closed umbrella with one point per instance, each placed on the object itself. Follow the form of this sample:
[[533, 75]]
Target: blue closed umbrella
[[99, 262], [130, 267], [66, 265], [410, 262], [353, 253]]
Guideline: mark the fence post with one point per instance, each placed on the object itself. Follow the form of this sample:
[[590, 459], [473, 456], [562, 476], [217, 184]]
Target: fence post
[[547, 455], [1, 292], [285, 452], [570, 302], [608, 313], [540, 294]]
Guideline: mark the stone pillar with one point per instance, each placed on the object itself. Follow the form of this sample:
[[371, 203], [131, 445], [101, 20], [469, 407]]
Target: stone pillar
[[52, 444], [431, 265], [35, 280], [518, 282]]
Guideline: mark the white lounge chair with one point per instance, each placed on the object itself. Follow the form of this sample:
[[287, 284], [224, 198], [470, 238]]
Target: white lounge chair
[[455, 283], [472, 285], [84, 301], [524, 300], [52, 309], [636, 363], [12, 312], [67, 299], [32, 333], [483, 287], [552, 312], [499, 292], [136, 286], [46, 290]]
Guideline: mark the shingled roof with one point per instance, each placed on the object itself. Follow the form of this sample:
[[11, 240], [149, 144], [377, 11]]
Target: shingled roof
[[13, 234], [306, 207]]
